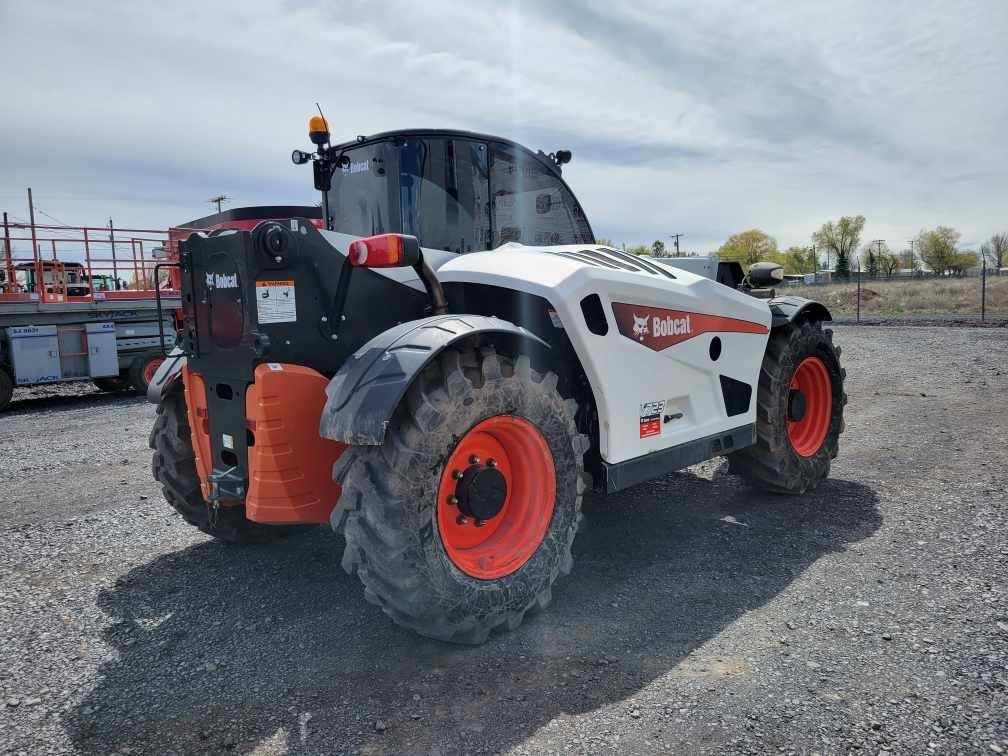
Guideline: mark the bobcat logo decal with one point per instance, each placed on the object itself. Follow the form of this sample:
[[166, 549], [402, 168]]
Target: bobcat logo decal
[[640, 326], [660, 328]]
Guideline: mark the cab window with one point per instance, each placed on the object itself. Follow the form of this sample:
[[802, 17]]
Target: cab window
[[531, 204], [444, 193], [360, 201]]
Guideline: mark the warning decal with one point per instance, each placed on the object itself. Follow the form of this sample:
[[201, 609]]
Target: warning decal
[[275, 302], [651, 418]]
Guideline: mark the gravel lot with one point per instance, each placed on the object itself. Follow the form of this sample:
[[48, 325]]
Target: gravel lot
[[869, 617]]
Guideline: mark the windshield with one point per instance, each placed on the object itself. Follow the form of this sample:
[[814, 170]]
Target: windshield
[[454, 194]]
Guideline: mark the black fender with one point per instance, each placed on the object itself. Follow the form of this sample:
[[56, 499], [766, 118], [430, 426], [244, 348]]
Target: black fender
[[786, 310], [363, 395], [169, 372]]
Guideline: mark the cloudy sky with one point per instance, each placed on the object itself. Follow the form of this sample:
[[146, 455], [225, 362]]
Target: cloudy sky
[[698, 118]]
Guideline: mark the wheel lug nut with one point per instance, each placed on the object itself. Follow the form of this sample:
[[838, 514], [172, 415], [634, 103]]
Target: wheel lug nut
[[453, 501], [461, 520], [457, 474], [480, 523], [474, 460], [491, 462]]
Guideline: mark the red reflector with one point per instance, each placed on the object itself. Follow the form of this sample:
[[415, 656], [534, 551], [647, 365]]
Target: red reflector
[[384, 251]]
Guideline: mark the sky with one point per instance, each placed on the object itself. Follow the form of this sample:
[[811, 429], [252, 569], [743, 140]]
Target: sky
[[702, 119]]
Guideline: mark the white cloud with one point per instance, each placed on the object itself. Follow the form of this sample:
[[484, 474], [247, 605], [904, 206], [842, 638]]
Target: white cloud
[[696, 118]]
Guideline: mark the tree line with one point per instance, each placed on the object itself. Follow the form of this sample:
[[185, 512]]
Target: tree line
[[837, 246]]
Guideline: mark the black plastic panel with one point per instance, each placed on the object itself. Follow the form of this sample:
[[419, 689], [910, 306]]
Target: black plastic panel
[[737, 395], [594, 315], [622, 475]]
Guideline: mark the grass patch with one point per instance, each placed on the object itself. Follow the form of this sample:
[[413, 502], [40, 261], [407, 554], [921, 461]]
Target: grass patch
[[960, 296]]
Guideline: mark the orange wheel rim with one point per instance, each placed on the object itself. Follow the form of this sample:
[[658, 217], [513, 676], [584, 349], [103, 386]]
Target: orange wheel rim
[[812, 381], [151, 368], [499, 449]]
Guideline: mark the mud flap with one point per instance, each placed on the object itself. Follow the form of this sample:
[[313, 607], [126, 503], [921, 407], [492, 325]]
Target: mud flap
[[365, 392], [786, 310]]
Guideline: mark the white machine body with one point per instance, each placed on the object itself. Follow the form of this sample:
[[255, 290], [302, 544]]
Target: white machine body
[[671, 343]]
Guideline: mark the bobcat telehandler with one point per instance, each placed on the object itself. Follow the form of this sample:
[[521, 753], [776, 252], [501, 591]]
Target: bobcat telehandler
[[444, 371]]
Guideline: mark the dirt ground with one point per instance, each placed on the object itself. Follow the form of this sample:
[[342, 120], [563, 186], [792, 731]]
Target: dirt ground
[[701, 617]]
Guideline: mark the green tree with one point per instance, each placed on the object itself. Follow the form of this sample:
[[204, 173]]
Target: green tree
[[938, 249], [797, 260], [640, 249], [606, 243], [961, 262], [658, 248], [872, 258], [871, 263], [842, 239], [748, 247]]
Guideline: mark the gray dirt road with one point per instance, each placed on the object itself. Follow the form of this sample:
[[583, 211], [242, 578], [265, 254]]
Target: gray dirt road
[[869, 617]]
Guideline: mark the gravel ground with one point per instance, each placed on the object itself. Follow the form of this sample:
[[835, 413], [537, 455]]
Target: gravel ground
[[870, 617]]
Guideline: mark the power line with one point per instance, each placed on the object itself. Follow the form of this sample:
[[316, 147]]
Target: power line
[[676, 238], [219, 200]]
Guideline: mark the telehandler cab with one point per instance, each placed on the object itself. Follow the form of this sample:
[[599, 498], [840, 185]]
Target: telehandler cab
[[446, 368]]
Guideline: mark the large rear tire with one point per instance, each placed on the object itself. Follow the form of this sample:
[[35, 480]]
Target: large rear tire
[[799, 413], [174, 467], [111, 384], [142, 370], [6, 389], [424, 533]]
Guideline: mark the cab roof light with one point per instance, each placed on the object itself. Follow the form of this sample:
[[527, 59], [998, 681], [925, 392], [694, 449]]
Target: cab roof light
[[318, 130], [384, 251]]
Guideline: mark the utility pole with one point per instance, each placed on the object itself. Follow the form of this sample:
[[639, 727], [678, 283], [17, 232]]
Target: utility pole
[[815, 259], [878, 255], [218, 200], [676, 237], [910, 260]]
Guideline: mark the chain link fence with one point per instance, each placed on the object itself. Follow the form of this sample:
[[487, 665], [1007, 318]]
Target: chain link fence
[[979, 294]]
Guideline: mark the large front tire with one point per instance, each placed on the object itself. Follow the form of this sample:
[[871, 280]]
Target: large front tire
[[174, 467], [422, 555], [799, 414]]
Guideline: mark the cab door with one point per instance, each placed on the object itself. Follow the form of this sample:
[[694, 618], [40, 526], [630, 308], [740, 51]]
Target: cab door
[[444, 192]]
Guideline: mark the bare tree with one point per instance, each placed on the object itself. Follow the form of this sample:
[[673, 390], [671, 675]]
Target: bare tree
[[996, 251]]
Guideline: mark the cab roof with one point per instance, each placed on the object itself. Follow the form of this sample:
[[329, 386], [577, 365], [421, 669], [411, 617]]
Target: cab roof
[[385, 136]]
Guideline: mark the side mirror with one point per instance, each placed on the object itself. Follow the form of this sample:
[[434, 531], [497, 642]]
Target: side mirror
[[763, 274]]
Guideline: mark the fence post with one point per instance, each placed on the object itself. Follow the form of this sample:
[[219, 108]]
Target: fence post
[[983, 291]]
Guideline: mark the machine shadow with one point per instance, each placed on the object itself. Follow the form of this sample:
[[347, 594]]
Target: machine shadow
[[222, 648]]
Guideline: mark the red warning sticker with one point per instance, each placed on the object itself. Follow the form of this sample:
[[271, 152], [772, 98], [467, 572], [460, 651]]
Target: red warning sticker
[[651, 418]]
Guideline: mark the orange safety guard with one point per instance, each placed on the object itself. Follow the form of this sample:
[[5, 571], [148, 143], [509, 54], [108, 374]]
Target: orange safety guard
[[290, 465], [199, 424]]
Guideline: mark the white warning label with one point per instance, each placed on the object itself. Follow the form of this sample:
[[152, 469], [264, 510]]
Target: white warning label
[[275, 301]]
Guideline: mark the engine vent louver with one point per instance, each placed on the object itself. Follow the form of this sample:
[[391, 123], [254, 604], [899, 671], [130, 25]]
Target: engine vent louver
[[614, 259]]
